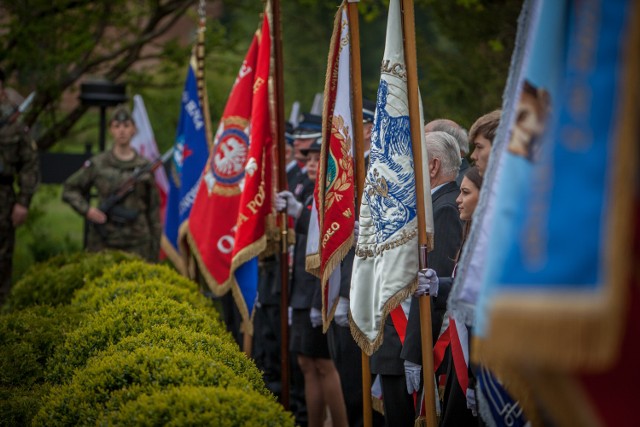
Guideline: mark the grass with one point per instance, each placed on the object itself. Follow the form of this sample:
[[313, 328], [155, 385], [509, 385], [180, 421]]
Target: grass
[[51, 228]]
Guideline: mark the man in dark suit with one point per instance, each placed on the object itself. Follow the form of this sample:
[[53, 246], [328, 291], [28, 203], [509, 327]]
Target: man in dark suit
[[444, 162]]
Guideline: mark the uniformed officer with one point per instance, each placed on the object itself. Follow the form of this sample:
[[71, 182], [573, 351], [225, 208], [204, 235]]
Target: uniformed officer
[[18, 157], [133, 225]]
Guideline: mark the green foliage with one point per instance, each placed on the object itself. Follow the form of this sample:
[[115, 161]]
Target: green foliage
[[54, 281], [18, 405], [91, 298], [28, 339], [184, 339], [140, 271], [111, 380], [122, 318], [200, 406], [52, 228]]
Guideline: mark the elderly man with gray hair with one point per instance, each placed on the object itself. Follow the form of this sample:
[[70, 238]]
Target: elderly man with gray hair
[[443, 154], [461, 136]]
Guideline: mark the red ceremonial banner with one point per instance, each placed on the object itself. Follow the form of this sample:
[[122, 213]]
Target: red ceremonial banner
[[257, 194], [335, 195], [212, 222]]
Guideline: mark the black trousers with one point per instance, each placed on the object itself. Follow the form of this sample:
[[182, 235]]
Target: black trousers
[[399, 410]]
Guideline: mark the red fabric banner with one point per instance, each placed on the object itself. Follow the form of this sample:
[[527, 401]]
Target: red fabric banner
[[257, 194], [213, 216]]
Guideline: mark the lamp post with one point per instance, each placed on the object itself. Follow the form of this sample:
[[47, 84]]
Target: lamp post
[[103, 94]]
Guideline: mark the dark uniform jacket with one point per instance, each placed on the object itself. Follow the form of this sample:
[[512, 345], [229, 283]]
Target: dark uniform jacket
[[305, 287], [448, 238], [106, 174]]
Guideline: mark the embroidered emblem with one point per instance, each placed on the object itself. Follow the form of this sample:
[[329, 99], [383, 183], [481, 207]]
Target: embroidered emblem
[[339, 172], [390, 183]]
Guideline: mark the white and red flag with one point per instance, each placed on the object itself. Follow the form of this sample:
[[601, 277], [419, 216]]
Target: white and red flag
[[144, 142]]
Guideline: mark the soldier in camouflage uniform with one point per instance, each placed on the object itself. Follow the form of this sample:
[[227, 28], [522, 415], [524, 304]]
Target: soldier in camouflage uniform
[[140, 229], [18, 157]]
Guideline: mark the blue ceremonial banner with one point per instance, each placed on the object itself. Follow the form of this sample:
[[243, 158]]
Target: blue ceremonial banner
[[190, 154], [552, 294]]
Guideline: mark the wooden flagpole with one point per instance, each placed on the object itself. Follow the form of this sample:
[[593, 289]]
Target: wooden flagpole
[[282, 186], [409, 33], [358, 136]]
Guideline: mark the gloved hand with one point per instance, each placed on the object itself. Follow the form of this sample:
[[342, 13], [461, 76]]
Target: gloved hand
[[289, 315], [472, 404], [315, 316], [412, 375], [341, 315], [427, 283], [286, 200]]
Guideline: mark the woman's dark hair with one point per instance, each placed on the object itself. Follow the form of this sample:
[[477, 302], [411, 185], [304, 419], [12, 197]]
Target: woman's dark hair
[[473, 175]]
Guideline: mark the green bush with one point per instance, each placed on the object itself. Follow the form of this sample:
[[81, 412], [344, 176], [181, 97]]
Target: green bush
[[18, 405], [110, 380], [91, 298], [184, 339], [140, 271], [122, 318], [54, 281], [200, 406], [28, 339]]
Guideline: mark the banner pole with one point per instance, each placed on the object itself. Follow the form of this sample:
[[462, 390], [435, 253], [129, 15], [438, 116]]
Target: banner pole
[[282, 186], [358, 135], [408, 28]]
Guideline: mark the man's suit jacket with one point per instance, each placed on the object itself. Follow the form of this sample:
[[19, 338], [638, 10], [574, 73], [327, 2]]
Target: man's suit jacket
[[448, 238]]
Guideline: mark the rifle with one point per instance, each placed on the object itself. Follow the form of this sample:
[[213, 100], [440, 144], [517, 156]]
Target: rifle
[[17, 110], [110, 206]]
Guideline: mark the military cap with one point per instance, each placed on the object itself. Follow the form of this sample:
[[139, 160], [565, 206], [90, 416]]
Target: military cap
[[121, 115], [315, 147], [368, 110], [309, 127], [288, 133]]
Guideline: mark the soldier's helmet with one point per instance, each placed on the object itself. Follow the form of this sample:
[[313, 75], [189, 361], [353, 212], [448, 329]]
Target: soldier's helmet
[[121, 115]]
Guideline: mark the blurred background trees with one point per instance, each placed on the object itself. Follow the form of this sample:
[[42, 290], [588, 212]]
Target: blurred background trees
[[464, 47]]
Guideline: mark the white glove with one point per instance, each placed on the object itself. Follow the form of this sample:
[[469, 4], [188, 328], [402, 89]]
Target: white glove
[[286, 200], [356, 231], [341, 315], [315, 316], [427, 283], [412, 375], [471, 401], [289, 315]]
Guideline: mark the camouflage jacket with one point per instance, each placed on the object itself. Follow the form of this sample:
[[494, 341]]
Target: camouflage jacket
[[106, 174], [18, 157]]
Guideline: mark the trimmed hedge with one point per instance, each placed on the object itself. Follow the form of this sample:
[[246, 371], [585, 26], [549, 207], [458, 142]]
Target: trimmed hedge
[[53, 282], [28, 339], [140, 271], [125, 343], [122, 318], [111, 380], [200, 406], [93, 298], [18, 405], [184, 339]]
